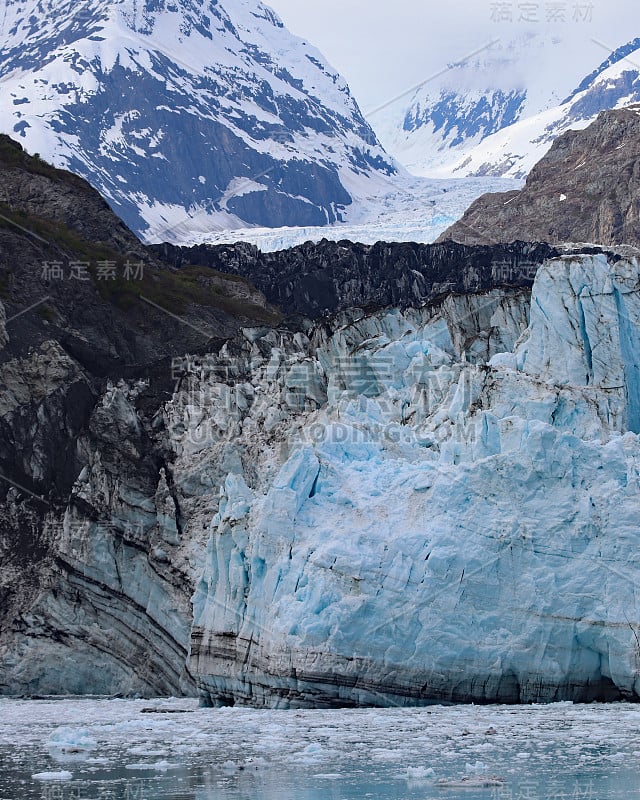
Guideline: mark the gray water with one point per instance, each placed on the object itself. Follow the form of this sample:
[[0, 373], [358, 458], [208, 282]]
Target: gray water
[[116, 750]]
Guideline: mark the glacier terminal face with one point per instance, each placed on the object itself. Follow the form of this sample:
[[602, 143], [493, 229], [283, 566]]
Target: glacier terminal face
[[392, 507], [429, 505]]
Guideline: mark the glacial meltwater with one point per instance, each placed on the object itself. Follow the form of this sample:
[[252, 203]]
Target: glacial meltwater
[[173, 750]]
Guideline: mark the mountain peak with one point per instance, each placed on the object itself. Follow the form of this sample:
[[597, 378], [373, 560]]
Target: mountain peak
[[497, 113], [183, 110]]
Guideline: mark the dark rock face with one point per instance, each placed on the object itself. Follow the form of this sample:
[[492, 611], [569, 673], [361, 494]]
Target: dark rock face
[[586, 189], [93, 596], [332, 276], [351, 683], [99, 291]]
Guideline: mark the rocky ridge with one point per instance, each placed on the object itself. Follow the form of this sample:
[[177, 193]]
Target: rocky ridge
[[320, 279], [585, 189]]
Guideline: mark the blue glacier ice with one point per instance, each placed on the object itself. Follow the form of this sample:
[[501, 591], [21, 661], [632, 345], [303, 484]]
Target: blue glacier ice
[[389, 507], [431, 505]]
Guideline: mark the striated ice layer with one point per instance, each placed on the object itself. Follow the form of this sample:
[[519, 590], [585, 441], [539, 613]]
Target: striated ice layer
[[425, 506]]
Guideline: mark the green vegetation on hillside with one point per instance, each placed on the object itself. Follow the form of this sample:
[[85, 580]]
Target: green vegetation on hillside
[[13, 155], [172, 290]]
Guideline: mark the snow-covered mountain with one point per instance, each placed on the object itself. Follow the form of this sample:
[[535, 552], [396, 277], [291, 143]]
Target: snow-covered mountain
[[498, 112], [183, 109], [513, 151], [501, 83]]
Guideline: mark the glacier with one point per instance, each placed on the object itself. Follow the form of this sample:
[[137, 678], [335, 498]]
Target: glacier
[[379, 507], [410, 210], [431, 505]]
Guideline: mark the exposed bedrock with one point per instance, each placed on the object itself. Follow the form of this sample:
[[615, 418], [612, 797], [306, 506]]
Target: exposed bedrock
[[320, 279], [585, 189]]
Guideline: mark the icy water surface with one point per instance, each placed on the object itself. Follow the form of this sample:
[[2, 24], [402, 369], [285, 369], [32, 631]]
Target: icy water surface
[[117, 750]]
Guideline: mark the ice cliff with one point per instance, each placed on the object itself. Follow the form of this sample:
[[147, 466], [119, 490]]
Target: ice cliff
[[429, 505], [390, 507]]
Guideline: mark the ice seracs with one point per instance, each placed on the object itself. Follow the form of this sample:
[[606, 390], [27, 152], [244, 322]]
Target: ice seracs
[[443, 526]]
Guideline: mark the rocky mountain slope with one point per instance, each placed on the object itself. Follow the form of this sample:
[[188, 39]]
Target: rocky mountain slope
[[85, 360], [508, 79], [586, 189], [197, 112]]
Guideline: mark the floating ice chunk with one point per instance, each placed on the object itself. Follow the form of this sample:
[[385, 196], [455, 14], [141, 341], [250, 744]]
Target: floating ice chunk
[[145, 750], [62, 775], [419, 773], [471, 782], [162, 766], [479, 768], [312, 749], [71, 741], [256, 762]]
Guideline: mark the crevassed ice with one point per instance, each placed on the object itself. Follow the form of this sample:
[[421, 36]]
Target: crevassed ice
[[416, 511]]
